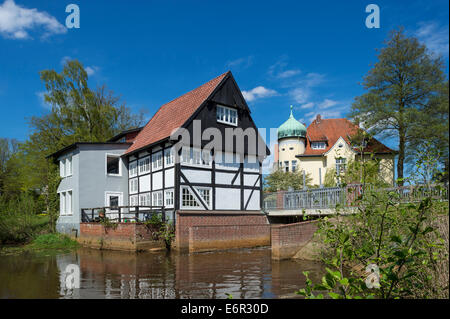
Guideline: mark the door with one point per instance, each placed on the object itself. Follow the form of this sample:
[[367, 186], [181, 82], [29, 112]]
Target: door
[[113, 200]]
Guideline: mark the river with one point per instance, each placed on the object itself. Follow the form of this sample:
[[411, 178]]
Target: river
[[244, 273]]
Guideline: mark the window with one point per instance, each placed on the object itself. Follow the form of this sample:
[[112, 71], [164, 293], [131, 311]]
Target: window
[[227, 115], [65, 167], [168, 197], [157, 199], [69, 166], [283, 149], [157, 160], [144, 165], [294, 166], [205, 193], [62, 168], [133, 201], [318, 145], [168, 155], [114, 201], [65, 203], [112, 164], [132, 169], [144, 200], [206, 157], [133, 185], [340, 165], [187, 199], [291, 148], [195, 156], [286, 166]]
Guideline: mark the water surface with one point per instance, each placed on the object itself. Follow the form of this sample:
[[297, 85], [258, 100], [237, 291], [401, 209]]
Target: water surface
[[244, 273]]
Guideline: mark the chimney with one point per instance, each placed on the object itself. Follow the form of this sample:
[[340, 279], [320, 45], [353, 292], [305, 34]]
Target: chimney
[[318, 118]]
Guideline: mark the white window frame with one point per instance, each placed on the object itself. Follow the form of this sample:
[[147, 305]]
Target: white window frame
[[224, 115], [62, 168], [135, 203], [169, 198], [318, 145], [143, 167], [157, 199], [68, 166], [147, 200], [195, 157], [341, 165], [106, 164], [293, 166], [157, 161], [194, 197], [131, 182], [169, 158], [64, 209], [133, 169]]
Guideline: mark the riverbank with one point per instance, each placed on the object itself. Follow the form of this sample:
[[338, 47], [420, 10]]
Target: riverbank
[[48, 243]]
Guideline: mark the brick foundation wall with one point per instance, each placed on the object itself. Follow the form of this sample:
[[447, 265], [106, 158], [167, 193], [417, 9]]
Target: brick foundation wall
[[288, 239], [126, 236], [208, 238], [187, 219]]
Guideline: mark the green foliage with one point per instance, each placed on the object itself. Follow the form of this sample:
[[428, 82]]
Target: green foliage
[[366, 171], [402, 85], [78, 114], [280, 180], [19, 219], [53, 241], [406, 241]]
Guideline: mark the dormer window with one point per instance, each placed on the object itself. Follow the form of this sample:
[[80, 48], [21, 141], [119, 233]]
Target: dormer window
[[227, 115], [318, 145]]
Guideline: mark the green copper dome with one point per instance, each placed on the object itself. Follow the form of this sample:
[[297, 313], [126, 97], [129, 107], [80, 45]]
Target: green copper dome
[[291, 128]]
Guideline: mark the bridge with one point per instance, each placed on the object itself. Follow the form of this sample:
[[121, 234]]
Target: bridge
[[324, 201]]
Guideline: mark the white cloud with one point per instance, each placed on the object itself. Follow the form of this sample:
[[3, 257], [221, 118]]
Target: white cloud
[[327, 103], [90, 70], [307, 105], [17, 21], [435, 37], [244, 62], [278, 70], [300, 95], [258, 92], [288, 74], [42, 101]]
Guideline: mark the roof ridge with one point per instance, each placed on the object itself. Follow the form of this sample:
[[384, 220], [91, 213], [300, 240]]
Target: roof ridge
[[190, 102]]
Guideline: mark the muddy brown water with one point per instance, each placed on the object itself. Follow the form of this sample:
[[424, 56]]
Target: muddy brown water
[[244, 273]]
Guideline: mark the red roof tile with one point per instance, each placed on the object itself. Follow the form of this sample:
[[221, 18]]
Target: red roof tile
[[174, 114], [330, 130]]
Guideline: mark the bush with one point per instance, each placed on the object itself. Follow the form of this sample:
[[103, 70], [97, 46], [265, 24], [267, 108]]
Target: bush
[[20, 221]]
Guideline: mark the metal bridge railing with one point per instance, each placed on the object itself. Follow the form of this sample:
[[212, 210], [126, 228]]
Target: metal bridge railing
[[322, 198]]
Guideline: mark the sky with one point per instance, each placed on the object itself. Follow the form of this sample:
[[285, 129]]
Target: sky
[[309, 54]]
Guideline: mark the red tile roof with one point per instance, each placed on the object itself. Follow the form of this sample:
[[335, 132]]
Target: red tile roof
[[330, 130], [174, 114]]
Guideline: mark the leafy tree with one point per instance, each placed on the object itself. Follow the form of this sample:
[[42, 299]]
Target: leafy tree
[[281, 180], [78, 114], [366, 171], [402, 84]]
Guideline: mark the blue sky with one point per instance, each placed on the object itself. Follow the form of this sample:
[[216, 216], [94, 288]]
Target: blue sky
[[311, 54]]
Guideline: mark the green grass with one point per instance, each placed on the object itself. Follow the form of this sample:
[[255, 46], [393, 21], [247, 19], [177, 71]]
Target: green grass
[[53, 241]]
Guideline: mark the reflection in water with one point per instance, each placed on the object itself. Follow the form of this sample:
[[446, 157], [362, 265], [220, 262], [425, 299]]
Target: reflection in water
[[246, 273]]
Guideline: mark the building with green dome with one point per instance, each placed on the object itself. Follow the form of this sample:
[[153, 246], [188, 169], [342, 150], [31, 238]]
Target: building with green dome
[[291, 142], [326, 145]]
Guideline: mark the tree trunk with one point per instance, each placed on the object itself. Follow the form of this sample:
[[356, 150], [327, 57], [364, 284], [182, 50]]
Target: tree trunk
[[401, 156]]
